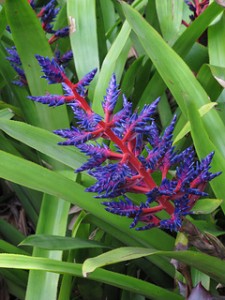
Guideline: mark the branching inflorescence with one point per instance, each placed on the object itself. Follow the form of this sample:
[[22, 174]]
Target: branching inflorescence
[[138, 151]]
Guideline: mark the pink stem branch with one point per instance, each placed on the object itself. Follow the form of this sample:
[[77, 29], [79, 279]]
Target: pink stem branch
[[137, 165]]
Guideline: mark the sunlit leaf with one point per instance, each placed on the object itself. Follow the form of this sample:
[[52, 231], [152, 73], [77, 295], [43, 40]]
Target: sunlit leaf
[[206, 206], [187, 127], [119, 280], [212, 266]]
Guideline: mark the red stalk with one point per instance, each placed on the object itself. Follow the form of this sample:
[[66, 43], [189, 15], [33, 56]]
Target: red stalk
[[137, 165]]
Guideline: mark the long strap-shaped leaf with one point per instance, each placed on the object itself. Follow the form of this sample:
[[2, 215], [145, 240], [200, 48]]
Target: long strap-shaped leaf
[[129, 283], [210, 265], [113, 63], [204, 145], [182, 46], [29, 39], [84, 41], [43, 141]]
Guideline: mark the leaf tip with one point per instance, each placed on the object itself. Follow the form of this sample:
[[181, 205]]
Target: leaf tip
[[85, 272]]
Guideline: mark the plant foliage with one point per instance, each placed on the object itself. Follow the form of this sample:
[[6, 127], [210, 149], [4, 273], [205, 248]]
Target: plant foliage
[[137, 87]]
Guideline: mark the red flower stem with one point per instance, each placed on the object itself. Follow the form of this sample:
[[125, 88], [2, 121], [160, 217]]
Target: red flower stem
[[154, 209], [185, 23], [197, 7], [149, 181], [52, 39], [114, 155], [139, 189], [132, 159], [81, 100]]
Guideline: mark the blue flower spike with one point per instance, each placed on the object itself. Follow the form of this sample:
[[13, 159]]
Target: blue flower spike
[[137, 150], [15, 62]]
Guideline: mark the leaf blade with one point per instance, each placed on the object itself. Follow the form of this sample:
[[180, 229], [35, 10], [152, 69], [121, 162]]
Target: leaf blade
[[122, 281]]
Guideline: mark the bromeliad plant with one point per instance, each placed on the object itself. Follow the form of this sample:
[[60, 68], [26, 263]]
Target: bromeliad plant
[[135, 170], [133, 152]]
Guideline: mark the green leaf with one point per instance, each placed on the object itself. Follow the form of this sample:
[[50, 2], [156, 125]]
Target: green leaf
[[170, 14], [54, 242], [129, 78], [187, 127], [212, 266], [206, 206], [170, 66], [182, 46], [16, 281], [113, 63], [84, 40], [6, 113], [197, 57], [10, 233], [206, 76], [218, 74], [191, 34], [122, 281], [43, 141], [56, 216], [215, 47], [204, 146], [3, 23], [150, 239], [9, 248], [206, 226], [112, 257], [11, 108], [109, 18], [67, 280]]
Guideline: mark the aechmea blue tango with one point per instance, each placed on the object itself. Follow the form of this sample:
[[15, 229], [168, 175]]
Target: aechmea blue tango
[[137, 151]]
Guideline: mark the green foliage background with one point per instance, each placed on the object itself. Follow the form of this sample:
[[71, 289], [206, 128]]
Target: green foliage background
[[152, 55]]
